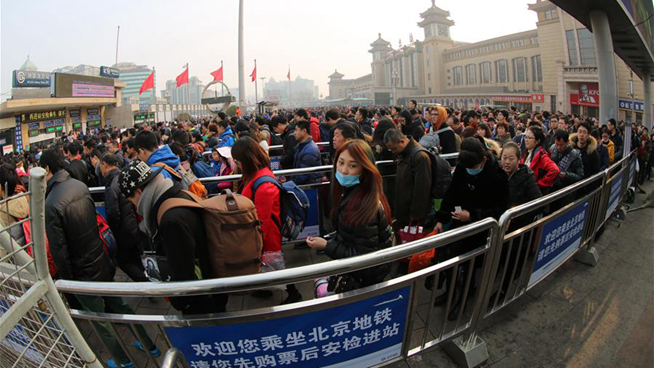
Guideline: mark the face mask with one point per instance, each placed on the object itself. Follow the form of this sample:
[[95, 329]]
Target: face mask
[[474, 172], [347, 180]]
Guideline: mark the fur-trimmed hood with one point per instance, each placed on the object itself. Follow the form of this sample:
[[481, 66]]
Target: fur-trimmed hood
[[590, 147]]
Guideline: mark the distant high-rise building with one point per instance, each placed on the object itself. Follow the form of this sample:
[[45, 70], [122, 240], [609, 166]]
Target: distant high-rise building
[[179, 95], [81, 69], [303, 91], [133, 76]]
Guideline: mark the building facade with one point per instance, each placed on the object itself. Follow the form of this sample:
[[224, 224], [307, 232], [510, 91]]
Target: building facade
[[551, 67], [190, 92], [298, 92]]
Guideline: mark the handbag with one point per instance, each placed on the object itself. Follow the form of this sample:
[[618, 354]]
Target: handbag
[[422, 260]]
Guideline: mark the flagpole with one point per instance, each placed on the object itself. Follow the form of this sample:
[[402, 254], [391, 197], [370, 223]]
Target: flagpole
[[154, 96], [256, 89], [222, 86], [188, 82], [290, 96], [241, 61]]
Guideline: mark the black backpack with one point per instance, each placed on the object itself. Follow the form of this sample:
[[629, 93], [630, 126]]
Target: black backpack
[[441, 172]]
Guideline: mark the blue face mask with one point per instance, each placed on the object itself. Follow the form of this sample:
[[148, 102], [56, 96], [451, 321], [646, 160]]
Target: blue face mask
[[347, 180], [474, 172]]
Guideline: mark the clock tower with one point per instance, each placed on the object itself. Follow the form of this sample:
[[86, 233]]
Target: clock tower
[[436, 26]]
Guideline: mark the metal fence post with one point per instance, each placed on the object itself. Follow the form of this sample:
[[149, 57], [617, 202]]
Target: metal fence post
[[37, 210]]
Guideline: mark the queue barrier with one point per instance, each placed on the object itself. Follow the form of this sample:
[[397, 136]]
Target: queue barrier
[[514, 256]]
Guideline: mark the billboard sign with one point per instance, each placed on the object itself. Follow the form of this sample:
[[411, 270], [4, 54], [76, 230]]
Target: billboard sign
[[23, 78], [109, 72], [72, 85]]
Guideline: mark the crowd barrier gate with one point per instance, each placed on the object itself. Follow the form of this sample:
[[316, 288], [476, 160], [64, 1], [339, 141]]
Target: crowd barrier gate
[[567, 220]]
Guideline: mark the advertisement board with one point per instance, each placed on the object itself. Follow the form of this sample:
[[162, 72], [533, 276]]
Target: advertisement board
[[23, 78], [73, 85], [587, 95], [358, 334]]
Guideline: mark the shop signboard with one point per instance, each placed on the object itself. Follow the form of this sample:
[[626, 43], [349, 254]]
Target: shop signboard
[[362, 333], [7, 149], [109, 72], [23, 78], [560, 238], [43, 115], [19, 134], [587, 95], [632, 105]]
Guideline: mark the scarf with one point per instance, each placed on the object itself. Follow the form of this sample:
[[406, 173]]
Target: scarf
[[150, 195]]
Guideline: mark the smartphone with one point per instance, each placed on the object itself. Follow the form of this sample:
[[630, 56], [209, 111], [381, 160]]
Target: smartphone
[[457, 209]]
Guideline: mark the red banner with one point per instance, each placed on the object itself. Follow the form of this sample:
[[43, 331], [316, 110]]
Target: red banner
[[588, 95]]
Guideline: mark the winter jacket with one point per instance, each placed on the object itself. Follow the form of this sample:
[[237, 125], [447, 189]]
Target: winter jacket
[[483, 195], [314, 123], [414, 129], [14, 210], [503, 139], [267, 202], [366, 126], [79, 169], [121, 217], [212, 141], [307, 155], [574, 170], [184, 226], [522, 186], [610, 147], [544, 169], [619, 144], [447, 140], [72, 231], [412, 186], [351, 242], [166, 156], [603, 154], [225, 170], [589, 155], [226, 138]]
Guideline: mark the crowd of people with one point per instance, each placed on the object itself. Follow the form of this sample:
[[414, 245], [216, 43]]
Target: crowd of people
[[506, 158]]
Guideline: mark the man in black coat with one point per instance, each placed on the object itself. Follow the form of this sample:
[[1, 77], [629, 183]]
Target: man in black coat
[[121, 218], [179, 238], [286, 132], [77, 249]]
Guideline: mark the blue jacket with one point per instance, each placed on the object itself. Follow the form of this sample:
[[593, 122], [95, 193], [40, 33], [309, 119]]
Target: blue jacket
[[307, 154], [227, 138], [166, 156]]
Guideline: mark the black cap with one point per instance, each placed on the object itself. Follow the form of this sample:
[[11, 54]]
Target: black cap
[[136, 175]]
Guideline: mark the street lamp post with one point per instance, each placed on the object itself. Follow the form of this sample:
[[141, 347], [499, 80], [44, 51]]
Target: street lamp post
[[241, 61]]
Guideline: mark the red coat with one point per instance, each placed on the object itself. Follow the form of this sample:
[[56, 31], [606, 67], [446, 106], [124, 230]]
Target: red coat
[[268, 205], [315, 130], [545, 170]]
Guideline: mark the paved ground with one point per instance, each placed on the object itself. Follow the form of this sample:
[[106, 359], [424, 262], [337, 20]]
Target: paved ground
[[580, 316]]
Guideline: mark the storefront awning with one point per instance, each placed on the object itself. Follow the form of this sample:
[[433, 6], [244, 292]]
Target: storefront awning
[[14, 107]]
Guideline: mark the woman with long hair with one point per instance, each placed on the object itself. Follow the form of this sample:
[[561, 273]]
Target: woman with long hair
[[361, 216], [254, 163], [538, 160]]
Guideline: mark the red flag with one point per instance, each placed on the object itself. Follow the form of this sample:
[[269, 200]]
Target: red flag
[[182, 78], [288, 76], [254, 74], [147, 84], [218, 74]]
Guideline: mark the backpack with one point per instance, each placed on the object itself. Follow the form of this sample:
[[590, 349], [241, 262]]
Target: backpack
[[441, 174], [234, 236], [294, 205], [189, 181], [107, 236]]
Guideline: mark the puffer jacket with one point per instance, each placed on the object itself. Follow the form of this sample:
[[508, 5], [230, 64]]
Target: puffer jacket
[[544, 169], [522, 186], [121, 217], [412, 186], [574, 170], [306, 155], [351, 242], [164, 155], [610, 147], [79, 169], [72, 231], [314, 125], [268, 204], [226, 138], [589, 156]]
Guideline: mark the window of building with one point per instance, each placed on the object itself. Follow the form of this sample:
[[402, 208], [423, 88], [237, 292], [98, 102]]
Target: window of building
[[458, 76], [501, 71], [485, 69], [586, 47], [428, 76], [572, 47], [536, 69], [427, 62], [519, 70], [471, 74]]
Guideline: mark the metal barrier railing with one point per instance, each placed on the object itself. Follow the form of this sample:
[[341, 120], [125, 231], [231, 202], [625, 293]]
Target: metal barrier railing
[[174, 358], [512, 258]]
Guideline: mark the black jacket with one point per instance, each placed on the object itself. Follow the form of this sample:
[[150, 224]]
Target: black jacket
[[589, 156], [522, 186], [447, 140], [182, 239], [412, 186], [121, 217], [366, 126], [414, 129], [72, 231], [351, 242], [574, 171], [79, 169]]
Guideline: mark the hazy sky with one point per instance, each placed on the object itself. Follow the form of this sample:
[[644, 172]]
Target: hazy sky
[[313, 37]]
